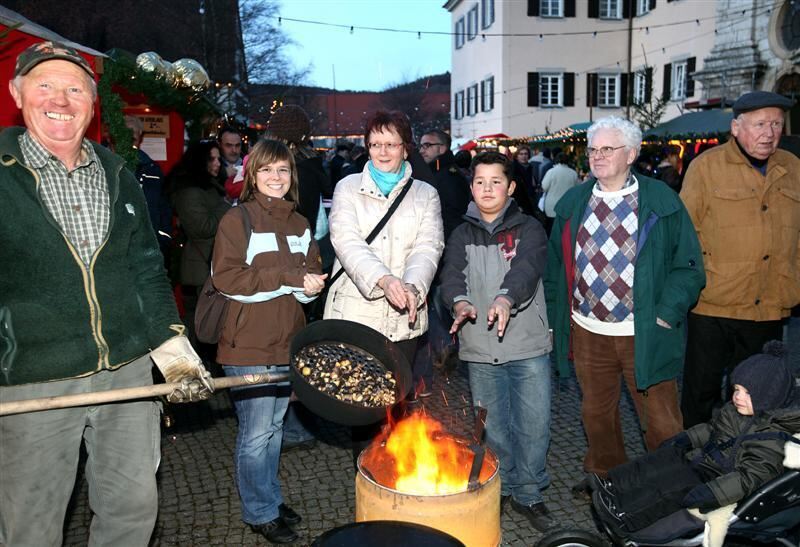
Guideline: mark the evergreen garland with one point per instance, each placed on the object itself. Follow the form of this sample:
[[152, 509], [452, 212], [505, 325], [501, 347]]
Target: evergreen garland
[[121, 70]]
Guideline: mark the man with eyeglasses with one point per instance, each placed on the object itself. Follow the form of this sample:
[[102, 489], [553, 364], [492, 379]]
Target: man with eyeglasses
[[623, 268], [453, 188], [744, 200], [434, 147]]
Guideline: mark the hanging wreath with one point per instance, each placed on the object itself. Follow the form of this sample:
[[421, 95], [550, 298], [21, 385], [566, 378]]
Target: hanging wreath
[[172, 89]]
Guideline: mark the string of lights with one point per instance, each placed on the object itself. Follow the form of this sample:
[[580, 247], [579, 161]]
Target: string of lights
[[352, 28]]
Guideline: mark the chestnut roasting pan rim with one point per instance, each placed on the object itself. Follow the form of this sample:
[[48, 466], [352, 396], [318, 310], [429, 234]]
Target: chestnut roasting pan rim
[[335, 331]]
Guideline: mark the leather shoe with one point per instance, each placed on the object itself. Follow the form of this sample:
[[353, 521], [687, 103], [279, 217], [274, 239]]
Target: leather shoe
[[537, 514], [276, 531], [289, 515]]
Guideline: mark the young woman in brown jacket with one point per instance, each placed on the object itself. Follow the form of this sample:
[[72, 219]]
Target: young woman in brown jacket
[[267, 276]]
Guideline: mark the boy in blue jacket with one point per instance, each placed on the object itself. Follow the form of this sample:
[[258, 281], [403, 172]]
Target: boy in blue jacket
[[491, 282]]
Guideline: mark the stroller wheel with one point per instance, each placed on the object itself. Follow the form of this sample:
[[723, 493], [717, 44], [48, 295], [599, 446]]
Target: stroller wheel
[[573, 537]]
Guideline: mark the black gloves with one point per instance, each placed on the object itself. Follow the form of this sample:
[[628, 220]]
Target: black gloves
[[701, 497]]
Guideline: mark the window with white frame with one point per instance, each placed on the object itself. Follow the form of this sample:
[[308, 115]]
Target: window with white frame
[[643, 6], [460, 33], [472, 22], [610, 9], [608, 90], [551, 8], [678, 84], [487, 13], [550, 90], [458, 107], [640, 87]]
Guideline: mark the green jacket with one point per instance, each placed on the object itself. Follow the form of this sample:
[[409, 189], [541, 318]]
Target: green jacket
[[669, 275], [58, 317]]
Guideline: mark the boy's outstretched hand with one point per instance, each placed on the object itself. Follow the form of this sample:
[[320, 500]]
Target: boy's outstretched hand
[[463, 311], [499, 312]]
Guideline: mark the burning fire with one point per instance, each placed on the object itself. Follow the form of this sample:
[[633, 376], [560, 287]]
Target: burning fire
[[420, 457]]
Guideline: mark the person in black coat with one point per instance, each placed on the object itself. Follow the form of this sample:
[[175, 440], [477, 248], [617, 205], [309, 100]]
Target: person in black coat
[[453, 188]]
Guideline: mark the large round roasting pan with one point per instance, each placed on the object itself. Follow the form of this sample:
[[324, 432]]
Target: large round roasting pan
[[385, 533], [335, 331]]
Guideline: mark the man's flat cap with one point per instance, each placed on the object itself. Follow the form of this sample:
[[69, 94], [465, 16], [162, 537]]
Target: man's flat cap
[[46, 51], [756, 100]]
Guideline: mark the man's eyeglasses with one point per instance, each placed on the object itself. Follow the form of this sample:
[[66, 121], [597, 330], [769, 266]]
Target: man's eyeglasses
[[282, 172], [388, 145], [426, 145], [604, 152]]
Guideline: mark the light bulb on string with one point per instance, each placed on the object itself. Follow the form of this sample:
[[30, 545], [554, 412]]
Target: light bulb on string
[[351, 29]]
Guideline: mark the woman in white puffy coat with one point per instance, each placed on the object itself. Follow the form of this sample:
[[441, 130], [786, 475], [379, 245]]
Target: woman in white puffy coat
[[386, 282]]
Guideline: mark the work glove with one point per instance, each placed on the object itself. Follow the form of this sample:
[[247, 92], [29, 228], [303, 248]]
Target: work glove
[[700, 497], [178, 362], [680, 441]]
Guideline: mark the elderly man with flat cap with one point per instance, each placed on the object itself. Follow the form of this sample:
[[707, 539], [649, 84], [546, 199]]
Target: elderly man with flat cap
[[84, 300], [744, 200]]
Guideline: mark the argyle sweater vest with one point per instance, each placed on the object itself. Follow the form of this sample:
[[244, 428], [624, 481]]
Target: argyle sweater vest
[[605, 252]]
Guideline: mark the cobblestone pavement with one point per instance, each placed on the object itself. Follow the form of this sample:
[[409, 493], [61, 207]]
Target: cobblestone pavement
[[199, 504]]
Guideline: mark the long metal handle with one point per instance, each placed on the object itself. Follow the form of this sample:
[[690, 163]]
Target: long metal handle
[[130, 393]]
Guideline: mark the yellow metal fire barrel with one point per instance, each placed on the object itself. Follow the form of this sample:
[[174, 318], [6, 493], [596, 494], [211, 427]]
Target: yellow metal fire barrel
[[473, 517]]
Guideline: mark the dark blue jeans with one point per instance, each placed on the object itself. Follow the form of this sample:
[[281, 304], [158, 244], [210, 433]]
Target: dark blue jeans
[[517, 397]]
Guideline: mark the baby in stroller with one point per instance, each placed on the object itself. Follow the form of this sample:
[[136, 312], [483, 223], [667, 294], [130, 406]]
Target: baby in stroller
[[714, 464]]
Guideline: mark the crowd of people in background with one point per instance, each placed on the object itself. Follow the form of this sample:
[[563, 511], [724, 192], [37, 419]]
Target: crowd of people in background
[[635, 269]]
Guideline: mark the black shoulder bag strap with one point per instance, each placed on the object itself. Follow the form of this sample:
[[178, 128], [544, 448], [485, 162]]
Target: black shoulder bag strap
[[378, 227]]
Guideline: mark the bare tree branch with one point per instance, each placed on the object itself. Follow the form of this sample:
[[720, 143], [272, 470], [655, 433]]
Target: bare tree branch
[[265, 45]]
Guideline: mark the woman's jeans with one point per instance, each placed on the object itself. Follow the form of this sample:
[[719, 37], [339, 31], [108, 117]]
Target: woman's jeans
[[516, 395], [260, 410]]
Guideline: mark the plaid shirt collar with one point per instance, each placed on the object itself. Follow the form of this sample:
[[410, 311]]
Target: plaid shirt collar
[[37, 156]]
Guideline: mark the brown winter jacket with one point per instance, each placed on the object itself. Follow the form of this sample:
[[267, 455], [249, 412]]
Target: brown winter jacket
[[264, 281], [749, 229]]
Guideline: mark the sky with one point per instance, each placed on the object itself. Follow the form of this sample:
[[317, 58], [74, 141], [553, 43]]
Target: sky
[[367, 60]]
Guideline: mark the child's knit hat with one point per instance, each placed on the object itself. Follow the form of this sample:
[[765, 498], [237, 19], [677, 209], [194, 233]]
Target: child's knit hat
[[766, 377]]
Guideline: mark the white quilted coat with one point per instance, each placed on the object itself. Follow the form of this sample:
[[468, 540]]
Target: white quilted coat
[[408, 247]]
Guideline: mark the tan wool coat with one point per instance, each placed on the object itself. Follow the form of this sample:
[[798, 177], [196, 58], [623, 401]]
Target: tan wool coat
[[748, 225]]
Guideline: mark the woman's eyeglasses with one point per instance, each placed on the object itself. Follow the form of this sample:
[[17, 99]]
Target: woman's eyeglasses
[[282, 172], [391, 146]]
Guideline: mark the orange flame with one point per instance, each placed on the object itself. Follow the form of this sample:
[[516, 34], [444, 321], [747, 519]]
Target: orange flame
[[419, 457]]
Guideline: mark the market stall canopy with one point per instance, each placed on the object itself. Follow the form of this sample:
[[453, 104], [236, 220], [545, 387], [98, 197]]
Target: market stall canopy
[[493, 136], [704, 124], [569, 132]]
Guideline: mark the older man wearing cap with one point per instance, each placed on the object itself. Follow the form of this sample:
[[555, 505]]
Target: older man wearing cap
[[744, 200], [83, 300]]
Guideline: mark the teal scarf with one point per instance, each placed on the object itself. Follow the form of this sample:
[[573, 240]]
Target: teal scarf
[[386, 181]]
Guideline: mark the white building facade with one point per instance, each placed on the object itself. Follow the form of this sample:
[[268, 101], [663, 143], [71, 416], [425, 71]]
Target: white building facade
[[526, 67]]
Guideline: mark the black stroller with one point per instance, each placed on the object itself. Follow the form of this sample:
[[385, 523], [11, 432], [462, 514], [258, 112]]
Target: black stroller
[[769, 515]]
